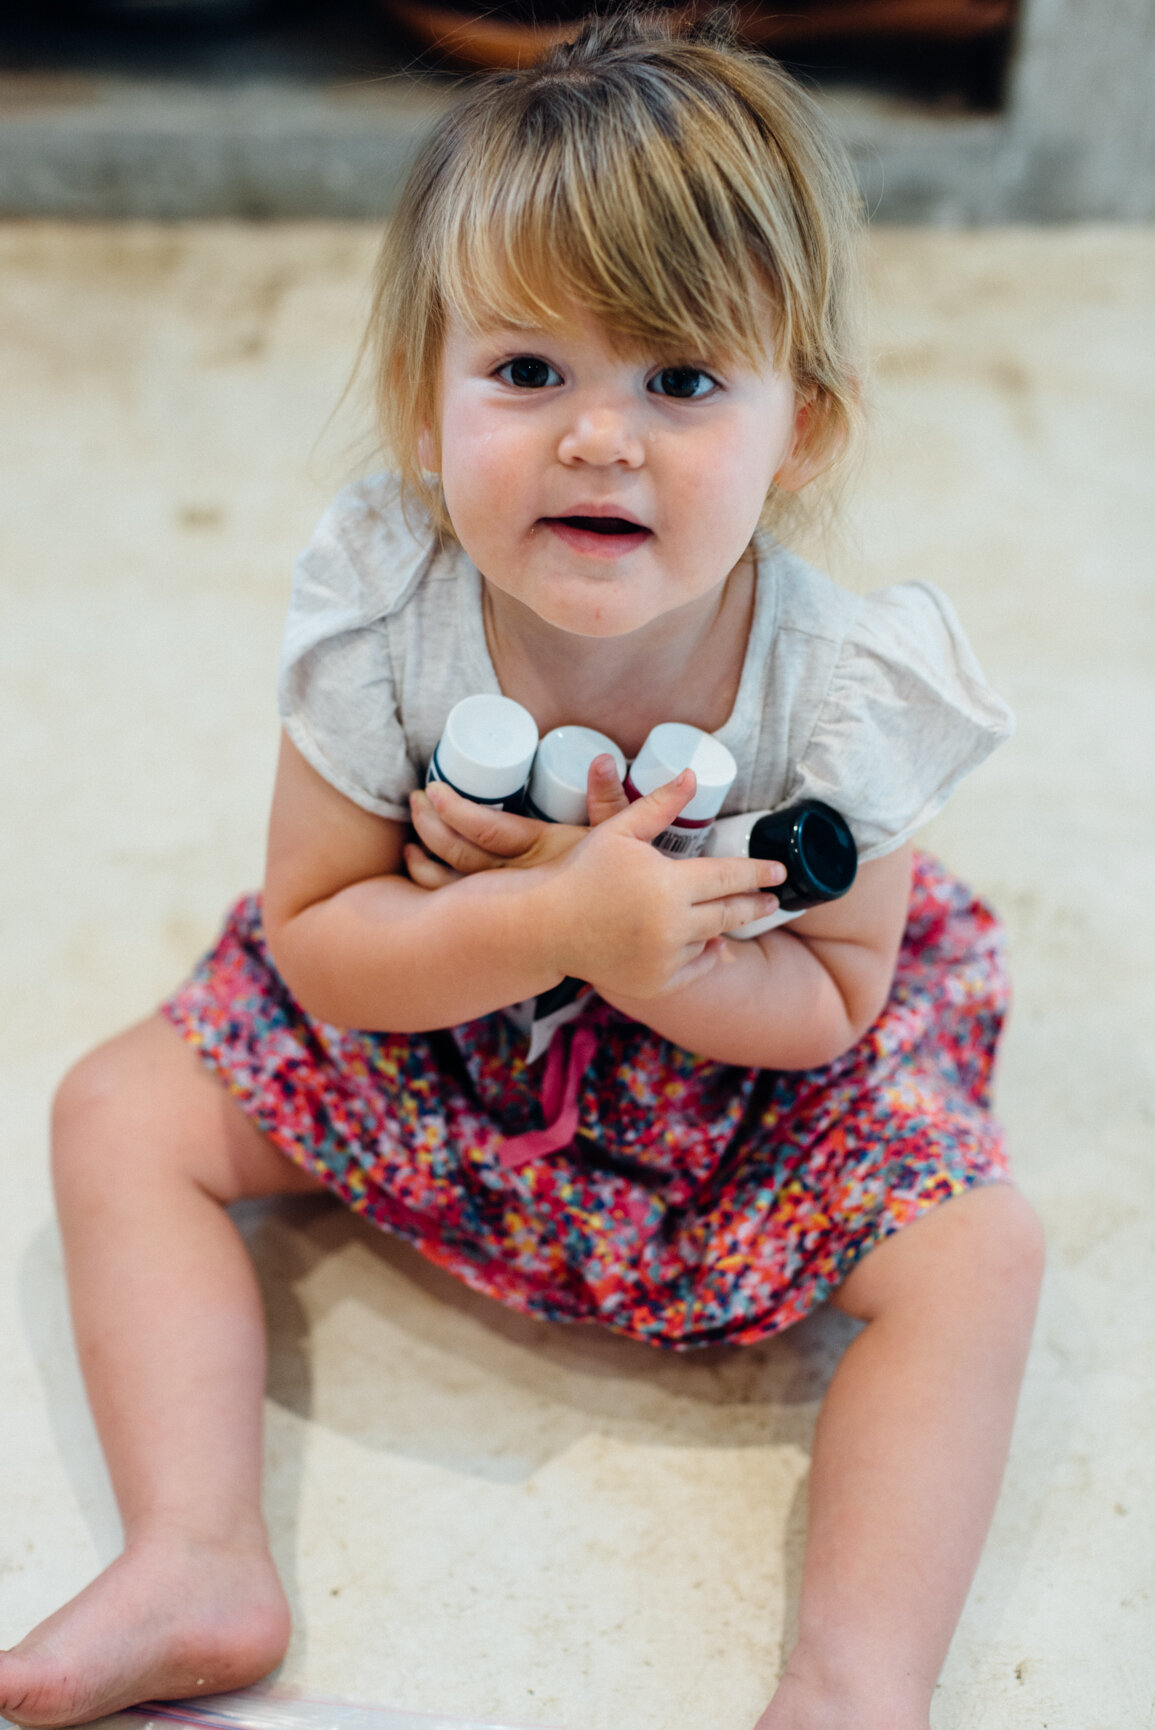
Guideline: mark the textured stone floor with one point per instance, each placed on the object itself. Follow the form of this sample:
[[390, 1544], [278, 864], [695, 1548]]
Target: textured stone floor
[[472, 1512]]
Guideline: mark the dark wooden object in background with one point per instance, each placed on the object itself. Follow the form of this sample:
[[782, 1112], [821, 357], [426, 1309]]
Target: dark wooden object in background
[[513, 31], [807, 22], [314, 109]]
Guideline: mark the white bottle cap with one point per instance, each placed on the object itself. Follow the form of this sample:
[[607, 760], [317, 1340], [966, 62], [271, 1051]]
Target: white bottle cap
[[561, 769], [672, 747], [487, 747]]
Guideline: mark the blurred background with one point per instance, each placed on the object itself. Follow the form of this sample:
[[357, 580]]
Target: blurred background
[[956, 111]]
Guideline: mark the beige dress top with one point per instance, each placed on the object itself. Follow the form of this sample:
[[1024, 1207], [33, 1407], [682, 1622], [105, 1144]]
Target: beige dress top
[[873, 703]]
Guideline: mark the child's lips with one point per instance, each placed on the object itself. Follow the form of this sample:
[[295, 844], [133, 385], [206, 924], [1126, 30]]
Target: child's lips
[[602, 537]]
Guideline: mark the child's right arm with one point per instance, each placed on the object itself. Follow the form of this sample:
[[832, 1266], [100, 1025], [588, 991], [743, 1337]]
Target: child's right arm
[[360, 945]]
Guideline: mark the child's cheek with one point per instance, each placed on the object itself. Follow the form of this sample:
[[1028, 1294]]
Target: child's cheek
[[493, 450], [488, 477]]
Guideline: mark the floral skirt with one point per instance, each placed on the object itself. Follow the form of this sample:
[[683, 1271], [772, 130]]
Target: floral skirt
[[698, 1202]]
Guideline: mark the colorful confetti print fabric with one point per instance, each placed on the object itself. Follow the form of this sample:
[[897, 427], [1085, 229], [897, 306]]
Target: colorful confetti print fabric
[[699, 1202]]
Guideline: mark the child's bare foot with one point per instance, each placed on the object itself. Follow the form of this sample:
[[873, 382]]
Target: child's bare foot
[[172, 1617]]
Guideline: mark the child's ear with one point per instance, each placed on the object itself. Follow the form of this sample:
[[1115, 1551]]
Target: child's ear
[[427, 450], [816, 442]]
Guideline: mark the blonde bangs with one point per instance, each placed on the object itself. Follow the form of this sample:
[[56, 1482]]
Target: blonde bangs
[[616, 231]]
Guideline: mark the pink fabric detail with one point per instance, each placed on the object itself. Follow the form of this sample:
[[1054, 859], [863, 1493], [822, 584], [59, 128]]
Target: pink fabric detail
[[566, 1061], [638, 1208]]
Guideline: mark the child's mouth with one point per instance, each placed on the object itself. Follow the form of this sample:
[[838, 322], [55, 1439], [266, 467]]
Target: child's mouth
[[602, 536]]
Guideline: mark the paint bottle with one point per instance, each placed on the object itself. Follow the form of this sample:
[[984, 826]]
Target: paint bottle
[[557, 794], [811, 839], [486, 750], [671, 747], [557, 786]]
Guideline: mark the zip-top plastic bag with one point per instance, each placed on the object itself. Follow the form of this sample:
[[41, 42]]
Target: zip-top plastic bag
[[266, 1709]]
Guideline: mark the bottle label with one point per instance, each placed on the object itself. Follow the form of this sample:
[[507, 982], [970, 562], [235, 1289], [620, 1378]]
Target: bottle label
[[681, 843]]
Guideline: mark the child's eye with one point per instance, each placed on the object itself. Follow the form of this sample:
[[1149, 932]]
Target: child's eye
[[685, 382], [529, 372]]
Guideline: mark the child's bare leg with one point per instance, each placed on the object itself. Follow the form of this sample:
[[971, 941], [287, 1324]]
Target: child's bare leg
[[908, 1455], [149, 1149]]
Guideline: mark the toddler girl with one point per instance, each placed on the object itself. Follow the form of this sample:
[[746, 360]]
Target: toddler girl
[[612, 335]]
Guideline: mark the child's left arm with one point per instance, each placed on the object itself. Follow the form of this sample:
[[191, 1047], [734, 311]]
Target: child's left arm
[[799, 996], [794, 998]]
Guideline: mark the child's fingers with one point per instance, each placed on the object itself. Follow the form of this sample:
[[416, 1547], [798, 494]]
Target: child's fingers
[[605, 795], [646, 818], [712, 919], [710, 880], [500, 833], [425, 871], [740, 892], [444, 842]]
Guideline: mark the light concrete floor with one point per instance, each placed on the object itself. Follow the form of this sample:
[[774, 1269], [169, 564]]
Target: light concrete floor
[[475, 1513]]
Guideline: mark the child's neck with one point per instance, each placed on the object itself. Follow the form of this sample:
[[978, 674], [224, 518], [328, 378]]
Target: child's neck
[[683, 666]]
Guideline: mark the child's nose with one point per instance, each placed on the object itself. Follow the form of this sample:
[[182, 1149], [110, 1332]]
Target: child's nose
[[602, 436]]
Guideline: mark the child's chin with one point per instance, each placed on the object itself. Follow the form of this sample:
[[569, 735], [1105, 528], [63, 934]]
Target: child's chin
[[606, 618]]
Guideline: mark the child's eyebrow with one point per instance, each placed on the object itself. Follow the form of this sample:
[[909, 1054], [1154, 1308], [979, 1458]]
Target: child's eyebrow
[[512, 338], [519, 333]]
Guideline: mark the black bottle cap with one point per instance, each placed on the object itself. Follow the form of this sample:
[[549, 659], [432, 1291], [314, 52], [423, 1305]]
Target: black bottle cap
[[814, 843]]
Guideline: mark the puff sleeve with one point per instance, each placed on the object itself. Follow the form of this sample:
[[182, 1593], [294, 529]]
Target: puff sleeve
[[906, 714], [336, 689]]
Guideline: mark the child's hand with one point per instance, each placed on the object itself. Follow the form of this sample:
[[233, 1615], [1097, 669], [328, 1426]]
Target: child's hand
[[623, 916], [635, 923], [457, 836]]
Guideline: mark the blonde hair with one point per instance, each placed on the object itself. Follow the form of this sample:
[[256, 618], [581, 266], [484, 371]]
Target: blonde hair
[[685, 193]]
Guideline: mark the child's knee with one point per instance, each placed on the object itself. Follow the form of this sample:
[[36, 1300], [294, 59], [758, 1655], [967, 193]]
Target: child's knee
[[85, 1096], [1021, 1230], [97, 1109], [83, 1091], [983, 1250], [1009, 1250], [994, 1267]]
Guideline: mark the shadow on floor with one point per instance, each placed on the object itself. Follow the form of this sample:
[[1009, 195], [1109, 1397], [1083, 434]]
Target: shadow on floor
[[477, 1389]]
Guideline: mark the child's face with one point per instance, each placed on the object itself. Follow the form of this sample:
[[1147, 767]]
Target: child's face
[[543, 431]]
